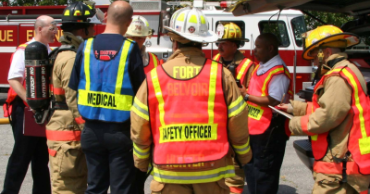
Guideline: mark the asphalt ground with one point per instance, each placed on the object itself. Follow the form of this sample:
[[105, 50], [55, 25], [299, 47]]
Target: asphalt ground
[[294, 176]]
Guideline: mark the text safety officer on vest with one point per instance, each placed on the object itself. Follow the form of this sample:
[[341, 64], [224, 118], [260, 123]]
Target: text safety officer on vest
[[107, 73], [230, 39], [338, 119], [187, 115], [63, 131], [269, 85], [26, 148]]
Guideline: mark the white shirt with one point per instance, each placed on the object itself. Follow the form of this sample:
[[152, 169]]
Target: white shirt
[[279, 84], [17, 67]]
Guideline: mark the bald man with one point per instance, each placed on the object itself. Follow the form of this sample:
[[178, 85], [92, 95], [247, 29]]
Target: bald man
[[107, 73], [26, 149], [269, 85]]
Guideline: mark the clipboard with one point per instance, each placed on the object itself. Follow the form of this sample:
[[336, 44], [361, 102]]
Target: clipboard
[[287, 115], [30, 127]]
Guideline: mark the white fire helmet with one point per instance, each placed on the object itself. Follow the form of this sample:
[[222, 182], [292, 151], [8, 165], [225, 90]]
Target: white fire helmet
[[192, 25], [139, 27]]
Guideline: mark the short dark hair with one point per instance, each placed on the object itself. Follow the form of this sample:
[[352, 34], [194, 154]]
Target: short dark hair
[[190, 44], [270, 39]]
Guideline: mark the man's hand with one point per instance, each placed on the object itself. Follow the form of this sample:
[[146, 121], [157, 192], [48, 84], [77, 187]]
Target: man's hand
[[243, 90], [285, 107]]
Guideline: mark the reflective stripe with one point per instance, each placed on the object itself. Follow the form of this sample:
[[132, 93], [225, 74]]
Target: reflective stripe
[[236, 107], [58, 91], [87, 63], [242, 70], [236, 190], [334, 168], [79, 120], [216, 57], [22, 46], [242, 149], [364, 142], [212, 92], [140, 153], [121, 67], [158, 94], [52, 152], [268, 78], [140, 109], [155, 62], [304, 125], [63, 135], [193, 177]]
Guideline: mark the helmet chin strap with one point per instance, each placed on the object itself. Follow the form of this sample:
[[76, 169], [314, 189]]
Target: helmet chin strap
[[320, 56]]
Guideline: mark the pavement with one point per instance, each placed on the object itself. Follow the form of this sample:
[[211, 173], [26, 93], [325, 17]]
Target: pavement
[[295, 178]]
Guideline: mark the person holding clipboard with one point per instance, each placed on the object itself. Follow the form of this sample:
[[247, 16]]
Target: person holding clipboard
[[270, 81]]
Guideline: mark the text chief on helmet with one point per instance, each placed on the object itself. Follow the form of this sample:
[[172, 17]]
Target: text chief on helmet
[[80, 15]]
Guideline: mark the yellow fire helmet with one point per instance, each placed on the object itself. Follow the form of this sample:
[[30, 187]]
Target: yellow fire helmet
[[191, 24], [327, 36], [139, 27], [230, 31]]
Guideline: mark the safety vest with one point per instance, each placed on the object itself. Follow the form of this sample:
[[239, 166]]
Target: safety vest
[[259, 117], [359, 137], [241, 69], [105, 91], [189, 124], [153, 63], [11, 93]]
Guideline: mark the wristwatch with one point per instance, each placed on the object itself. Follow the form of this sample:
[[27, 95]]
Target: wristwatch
[[246, 97]]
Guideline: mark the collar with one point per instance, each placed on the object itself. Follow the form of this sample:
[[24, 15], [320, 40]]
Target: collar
[[274, 61], [187, 52], [238, 58], [333, 59], [70, 39]]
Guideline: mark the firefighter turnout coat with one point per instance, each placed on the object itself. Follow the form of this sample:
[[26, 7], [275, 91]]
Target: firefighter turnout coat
[[63, 132], [188, 64], [336, 124]]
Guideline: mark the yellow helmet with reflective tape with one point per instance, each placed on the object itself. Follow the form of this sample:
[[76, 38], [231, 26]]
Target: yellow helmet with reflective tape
[[139, 27], [230, 31], [191, 24], [327, 36]]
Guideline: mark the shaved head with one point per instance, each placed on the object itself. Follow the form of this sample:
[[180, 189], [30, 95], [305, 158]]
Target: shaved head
[[119, 13], [43, 21]]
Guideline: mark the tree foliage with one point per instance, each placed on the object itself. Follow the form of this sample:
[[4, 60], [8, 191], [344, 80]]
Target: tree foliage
[[336, 19]]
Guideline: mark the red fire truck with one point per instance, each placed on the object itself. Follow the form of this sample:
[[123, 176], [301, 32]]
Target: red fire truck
[[16, 27]]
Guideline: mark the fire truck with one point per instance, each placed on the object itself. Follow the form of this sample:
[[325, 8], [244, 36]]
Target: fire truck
[[16, 27]]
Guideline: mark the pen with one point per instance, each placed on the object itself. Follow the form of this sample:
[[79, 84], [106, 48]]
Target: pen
[[282, 99]]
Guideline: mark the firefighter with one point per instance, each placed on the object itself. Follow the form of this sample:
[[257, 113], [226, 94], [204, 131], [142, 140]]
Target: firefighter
[[108, 71], [230, 39], [26, 149], [185, 114], [138, 31], [269, 85], [337, 120], [64, 128]]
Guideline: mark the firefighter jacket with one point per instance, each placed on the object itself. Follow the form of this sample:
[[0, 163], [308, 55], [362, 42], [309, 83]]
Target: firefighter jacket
[[105, 94], [65, 124], [187, 63], [244, 67], [333, 116]]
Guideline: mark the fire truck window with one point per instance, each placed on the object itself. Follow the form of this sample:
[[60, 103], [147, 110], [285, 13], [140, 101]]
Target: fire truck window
[[299, 27], [239, 23], [277, 28]]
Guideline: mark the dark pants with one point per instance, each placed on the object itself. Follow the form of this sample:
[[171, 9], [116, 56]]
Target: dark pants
[[26, 149], [108, 150], [263, 172]]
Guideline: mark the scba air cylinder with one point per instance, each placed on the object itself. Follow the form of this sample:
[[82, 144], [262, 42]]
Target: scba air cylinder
[[37, 76]]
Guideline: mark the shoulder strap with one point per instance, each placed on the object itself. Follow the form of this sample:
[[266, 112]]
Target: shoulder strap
[[53, 55]]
